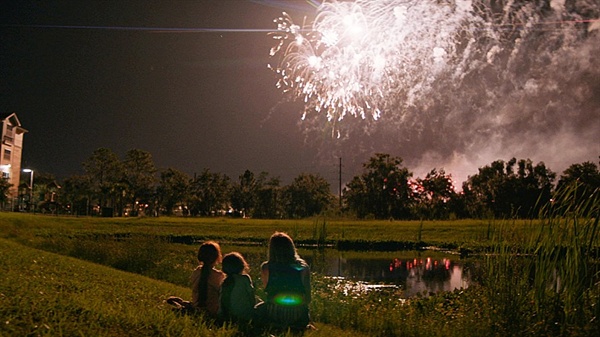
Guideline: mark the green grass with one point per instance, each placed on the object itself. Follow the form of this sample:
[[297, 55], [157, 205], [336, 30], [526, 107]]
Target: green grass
[[542, 278], [473, 234], [45, 294], [48, 294]]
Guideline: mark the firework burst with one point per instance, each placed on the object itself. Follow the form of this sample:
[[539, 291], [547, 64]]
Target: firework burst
[[445, 81], [372, 59], [359, 58]]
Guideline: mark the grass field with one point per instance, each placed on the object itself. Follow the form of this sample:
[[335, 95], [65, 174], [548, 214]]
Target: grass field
[[347, 233], [66, 276]]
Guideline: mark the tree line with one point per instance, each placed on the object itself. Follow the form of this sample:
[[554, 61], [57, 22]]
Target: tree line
[[133, 186]]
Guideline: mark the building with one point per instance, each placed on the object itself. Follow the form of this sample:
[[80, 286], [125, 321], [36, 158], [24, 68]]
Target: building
[[10, 153]]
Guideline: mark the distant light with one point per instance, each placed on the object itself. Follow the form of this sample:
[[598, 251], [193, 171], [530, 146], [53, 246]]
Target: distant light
[[27, 170]]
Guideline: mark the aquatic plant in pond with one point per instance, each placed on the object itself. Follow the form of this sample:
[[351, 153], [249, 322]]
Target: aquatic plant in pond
[[566, 249], [320, 232], [552, 277]]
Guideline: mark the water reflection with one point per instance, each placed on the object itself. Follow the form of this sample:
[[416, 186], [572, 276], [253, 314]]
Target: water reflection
[[417, 274], [413, 271]]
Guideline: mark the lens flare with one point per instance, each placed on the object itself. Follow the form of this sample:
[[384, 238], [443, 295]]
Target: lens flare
[[288, 299]]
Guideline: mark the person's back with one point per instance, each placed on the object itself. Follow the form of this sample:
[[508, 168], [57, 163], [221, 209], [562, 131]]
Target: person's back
[[287, 294], [213, 288], [206, 283], [286, 278], [237, 298]]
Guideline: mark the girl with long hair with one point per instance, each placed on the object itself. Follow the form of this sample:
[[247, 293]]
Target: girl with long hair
[[286, 278], [206, 282]]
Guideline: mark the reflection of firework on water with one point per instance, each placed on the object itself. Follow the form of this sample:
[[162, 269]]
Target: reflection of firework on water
[[445, 78]]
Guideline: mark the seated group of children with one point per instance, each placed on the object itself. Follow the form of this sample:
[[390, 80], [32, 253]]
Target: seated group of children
[[229, 294]]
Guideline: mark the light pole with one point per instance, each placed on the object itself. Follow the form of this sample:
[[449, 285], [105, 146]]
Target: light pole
[[30, 171]]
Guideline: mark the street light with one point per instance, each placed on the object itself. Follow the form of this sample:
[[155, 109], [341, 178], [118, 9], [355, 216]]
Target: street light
[[30, 171]]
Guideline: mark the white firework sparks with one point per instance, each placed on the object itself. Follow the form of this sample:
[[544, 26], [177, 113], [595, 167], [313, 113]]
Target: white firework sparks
[[358, 58], [449, 81]]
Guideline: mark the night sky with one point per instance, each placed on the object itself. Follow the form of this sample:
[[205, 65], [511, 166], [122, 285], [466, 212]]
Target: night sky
[[198, 94], [194, 100]]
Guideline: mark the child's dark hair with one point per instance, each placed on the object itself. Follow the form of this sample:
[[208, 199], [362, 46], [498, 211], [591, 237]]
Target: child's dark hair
[[234, 263], [209, 253]]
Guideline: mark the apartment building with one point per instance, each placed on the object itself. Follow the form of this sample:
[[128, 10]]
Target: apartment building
[[10, 153]]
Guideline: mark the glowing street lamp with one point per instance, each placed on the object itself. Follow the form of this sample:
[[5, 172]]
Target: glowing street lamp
[[30, 171]]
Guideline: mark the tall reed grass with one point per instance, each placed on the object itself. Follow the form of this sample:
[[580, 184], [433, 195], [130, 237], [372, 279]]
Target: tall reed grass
[[320, 231], [546, 280]]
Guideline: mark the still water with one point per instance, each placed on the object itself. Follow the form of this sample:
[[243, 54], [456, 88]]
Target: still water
[[412, 271]]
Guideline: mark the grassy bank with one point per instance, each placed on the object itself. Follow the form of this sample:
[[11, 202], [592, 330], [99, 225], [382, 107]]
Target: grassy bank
[[51, 295], [45, 294], [540, 280]]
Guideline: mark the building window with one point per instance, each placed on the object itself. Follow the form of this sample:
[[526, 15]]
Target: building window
[[5, 175], [7, 154]]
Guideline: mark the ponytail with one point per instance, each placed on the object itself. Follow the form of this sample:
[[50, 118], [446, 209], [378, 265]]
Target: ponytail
[[208, 254]]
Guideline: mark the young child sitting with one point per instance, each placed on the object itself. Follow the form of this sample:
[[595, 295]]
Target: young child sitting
[[286, 277], [237, 292], [206, 283]]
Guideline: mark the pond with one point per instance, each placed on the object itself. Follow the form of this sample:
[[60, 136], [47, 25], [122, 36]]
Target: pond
[[413, 272]]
